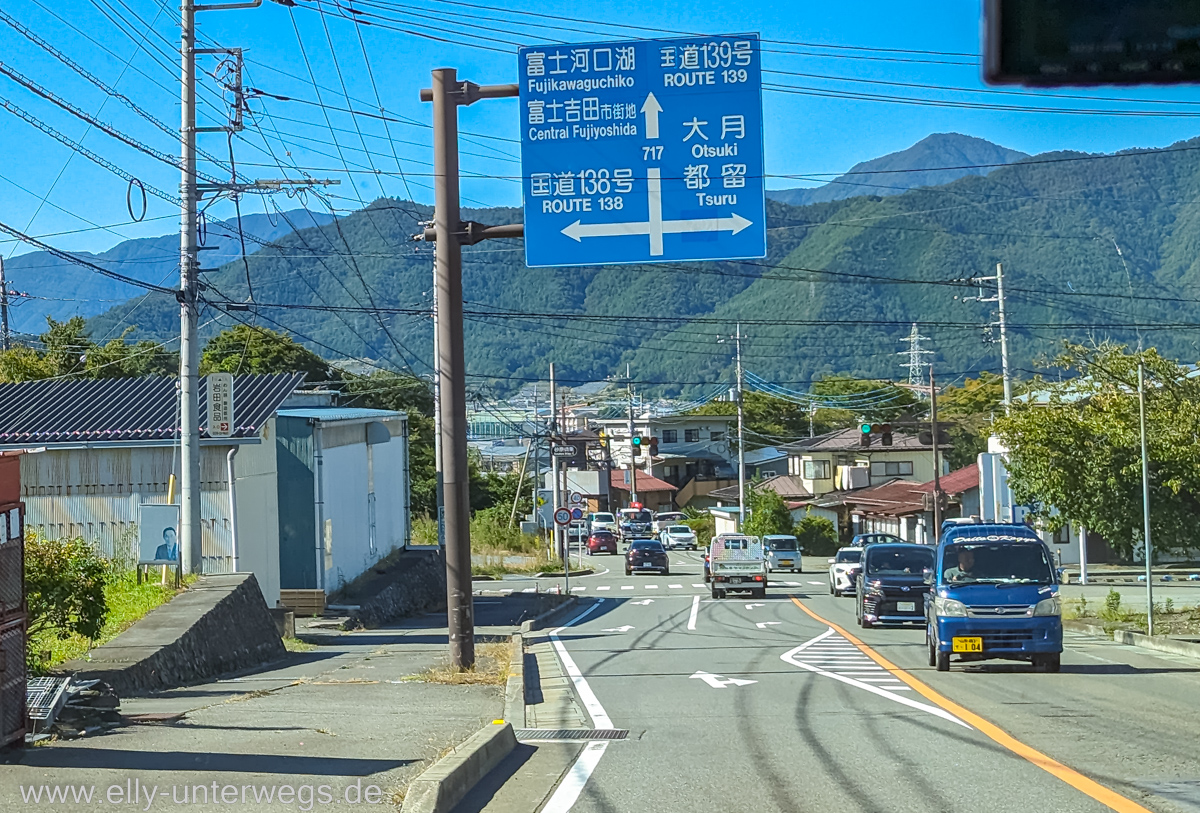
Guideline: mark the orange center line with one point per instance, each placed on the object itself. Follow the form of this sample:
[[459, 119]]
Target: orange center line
[[1106, 796]]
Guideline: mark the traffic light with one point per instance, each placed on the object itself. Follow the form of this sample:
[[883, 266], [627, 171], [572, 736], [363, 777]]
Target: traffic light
[[653, 444], [866, 430], [637, 446], [926, 437]]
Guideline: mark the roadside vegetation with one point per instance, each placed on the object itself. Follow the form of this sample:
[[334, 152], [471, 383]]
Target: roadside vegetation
[[79, 600], [491, 668], [1111, 614], [496, 548]]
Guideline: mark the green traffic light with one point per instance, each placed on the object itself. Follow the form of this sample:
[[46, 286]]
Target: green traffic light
[[865, 428], [637, 441]]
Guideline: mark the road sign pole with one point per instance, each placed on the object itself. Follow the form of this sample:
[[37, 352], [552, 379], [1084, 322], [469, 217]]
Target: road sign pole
[[937, 466], [554, 494], [450, 232]]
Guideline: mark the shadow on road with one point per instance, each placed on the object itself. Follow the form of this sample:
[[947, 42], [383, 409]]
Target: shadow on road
[[215, 762]]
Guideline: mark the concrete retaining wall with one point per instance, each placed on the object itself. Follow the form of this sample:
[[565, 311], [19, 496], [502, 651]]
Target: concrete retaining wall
[[415, 582], [220, 624]]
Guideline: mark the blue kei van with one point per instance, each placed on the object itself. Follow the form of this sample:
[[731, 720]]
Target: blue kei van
[[994, 595]]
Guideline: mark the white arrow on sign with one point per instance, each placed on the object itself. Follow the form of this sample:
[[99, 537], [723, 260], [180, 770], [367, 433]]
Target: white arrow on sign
[[764, 624], [647, 601], [578, 230], [625, 628], [718, 682], [651, 108], [752, 606], [655, 227]]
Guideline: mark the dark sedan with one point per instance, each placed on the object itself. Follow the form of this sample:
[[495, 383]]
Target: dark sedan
[[602, 542], [646, 554], [891, 586]]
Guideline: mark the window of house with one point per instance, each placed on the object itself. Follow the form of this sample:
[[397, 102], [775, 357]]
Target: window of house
[[691, 435], [892, 468], [716, 435], [767, 473], [670, 436], [816, 469]]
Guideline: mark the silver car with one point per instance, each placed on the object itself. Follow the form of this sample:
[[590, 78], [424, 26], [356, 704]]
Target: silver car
[[843, 570], [783, 552], [675, 537]]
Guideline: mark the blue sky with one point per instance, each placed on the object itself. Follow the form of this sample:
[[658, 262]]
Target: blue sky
[[808, 136]]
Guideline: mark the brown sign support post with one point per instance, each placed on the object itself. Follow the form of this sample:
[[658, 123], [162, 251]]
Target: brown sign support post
[[451, 233]]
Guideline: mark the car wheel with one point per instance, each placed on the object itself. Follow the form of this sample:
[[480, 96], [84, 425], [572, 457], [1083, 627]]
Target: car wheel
[[666, 571], [762, 592], [1047, 663], [942, 661], [628, 572], [929, 645]]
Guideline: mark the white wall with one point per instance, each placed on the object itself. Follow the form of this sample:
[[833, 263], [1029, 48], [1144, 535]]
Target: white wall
[[256, 481]]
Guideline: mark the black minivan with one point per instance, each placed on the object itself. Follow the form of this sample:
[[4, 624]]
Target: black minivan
[[891, 584]]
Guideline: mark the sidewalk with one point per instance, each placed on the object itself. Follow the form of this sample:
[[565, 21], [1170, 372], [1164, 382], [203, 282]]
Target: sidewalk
[[347, 716]]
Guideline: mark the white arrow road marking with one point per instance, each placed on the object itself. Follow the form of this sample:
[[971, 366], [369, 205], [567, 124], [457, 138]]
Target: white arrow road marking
[[625, 628], [764, 624], [719, 682], [643, 602], [793, 656], [752, 606], [695, 609], [651, 108]]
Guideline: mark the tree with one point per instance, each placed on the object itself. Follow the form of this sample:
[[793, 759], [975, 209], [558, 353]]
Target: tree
[[769, 514], [64, 586], [68, 352], [817, 535], [1075, 456], [251, 349], [968, 411]]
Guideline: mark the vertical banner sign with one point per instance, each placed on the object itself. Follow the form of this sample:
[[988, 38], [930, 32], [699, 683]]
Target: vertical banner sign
[[645, 151], [220, 405]]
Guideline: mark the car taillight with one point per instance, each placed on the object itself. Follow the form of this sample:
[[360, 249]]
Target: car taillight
[[758, 578]]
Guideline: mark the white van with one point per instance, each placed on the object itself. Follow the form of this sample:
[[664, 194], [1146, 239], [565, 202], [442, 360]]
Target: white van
[[783, 552], [665, 519]]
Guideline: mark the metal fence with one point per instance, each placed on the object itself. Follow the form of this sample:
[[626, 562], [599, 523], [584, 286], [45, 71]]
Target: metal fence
[[12, 623]]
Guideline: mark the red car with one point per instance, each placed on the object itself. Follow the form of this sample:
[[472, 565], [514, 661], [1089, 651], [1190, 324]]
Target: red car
[[602, 542]]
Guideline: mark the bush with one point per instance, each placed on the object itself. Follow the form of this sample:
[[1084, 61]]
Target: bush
[[817, 535], [704, 526], [490, 531], [769, 514], [64, 587], [1112, 606]]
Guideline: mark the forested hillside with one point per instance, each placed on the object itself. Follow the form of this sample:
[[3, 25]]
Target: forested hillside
[[842, 284]]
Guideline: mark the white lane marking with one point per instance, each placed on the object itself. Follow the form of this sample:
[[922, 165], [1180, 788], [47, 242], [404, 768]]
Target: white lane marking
[[590, 701], [695, 609], [752, 606], [698, 585], [578, 589], [627, 587], [792, 584], [625, 628], [765, 624], [643, 602], [604, 587], [675, 586], [568, 791], [721, 682], [792, 656], [818, 583], [651, 586]]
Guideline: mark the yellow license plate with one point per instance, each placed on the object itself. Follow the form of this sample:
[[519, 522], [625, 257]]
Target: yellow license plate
[[966, 644]]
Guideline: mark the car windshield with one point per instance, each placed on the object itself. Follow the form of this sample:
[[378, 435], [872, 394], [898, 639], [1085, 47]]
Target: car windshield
[[890, 561], [645, 544], [849, 555], [603, 535], [602, 517], [636, 516], [679, 529], [1011, 563], [669, 517], [782, 543]]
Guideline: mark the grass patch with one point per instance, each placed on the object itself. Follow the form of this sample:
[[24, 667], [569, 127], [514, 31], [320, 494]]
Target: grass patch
[[128, 602], [1112, 615], [491, 668], [498, 563], [297, 645], [496, 549]]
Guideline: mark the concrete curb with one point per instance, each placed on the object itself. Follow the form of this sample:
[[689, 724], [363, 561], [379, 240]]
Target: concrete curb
[[514, 690], [536, 622], [447, 781], [1090, 629], [1160, 643], [558, 574]]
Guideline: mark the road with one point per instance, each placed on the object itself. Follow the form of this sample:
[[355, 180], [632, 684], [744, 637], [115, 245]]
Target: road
[[785, 704]]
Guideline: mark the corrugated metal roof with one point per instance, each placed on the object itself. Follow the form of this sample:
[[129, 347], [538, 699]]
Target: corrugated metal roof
[[126, 409], [339, 413]]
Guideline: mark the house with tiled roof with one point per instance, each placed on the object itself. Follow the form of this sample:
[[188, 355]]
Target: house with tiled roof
[[842, 460]]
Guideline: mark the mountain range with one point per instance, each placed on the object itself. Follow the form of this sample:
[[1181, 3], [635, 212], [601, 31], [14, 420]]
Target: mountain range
[[937, 159], [65, 289], [1094, 247]]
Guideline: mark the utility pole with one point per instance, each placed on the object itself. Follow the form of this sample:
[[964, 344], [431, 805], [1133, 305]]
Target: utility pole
[[190, 534], [556, 497], [439, 492], [741, 433], [4, 334], [451, 233], [633, 495], [1001, 323], [1146, 497], [937, 466]]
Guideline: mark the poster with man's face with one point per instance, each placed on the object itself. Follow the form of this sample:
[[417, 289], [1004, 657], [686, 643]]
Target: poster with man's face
[[158, 534]]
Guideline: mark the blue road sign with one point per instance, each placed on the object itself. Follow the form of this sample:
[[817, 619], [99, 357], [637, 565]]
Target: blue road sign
[[647, 151]]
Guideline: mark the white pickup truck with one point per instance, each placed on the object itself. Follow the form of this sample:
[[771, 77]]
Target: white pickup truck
[[736, 563]]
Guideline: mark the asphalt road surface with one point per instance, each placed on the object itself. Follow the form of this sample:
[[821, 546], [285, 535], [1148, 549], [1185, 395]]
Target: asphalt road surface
[[785, 704]]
